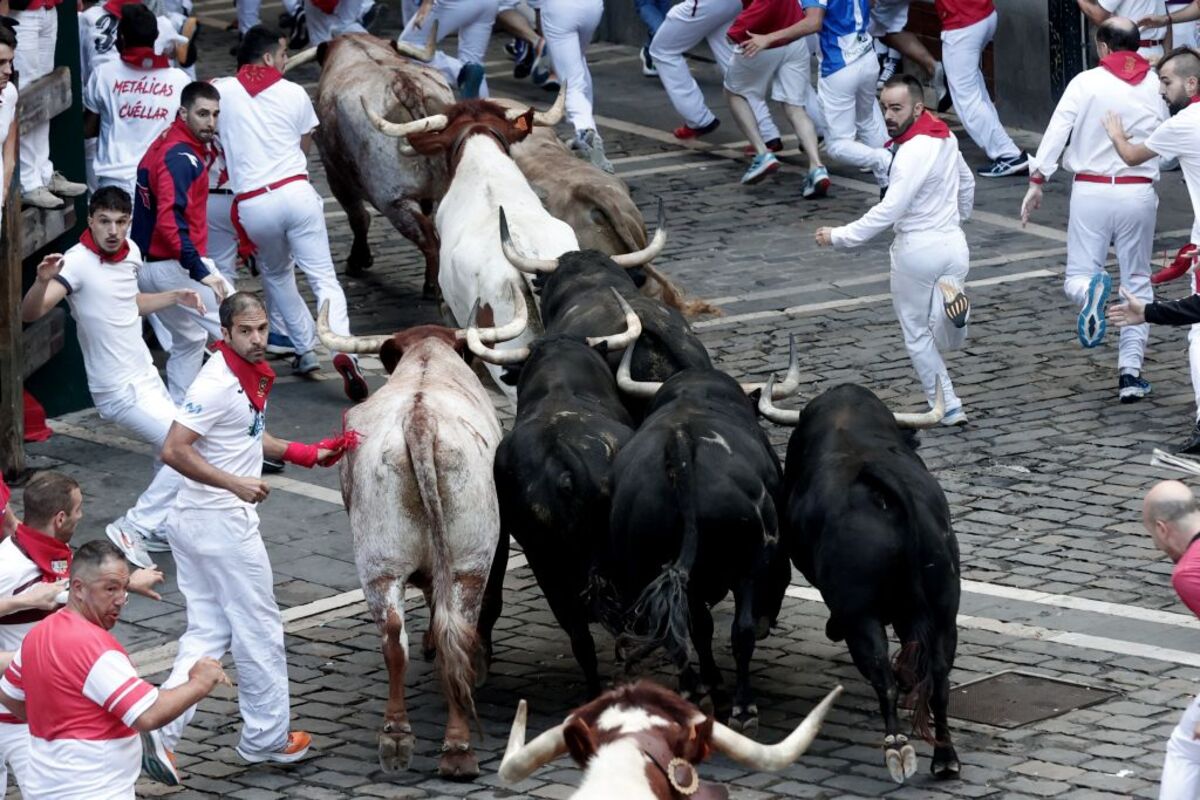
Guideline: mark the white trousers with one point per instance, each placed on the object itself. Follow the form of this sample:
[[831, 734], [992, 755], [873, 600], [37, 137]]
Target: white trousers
[[189, 329], [322, 27], [962, 49], [222, 238], [1123, 215], [568, 26], [285, 225], [685, 26], [226, 580], [247, 14], [144, 408], [35, 58], [14, 751], [919, 261], [1184, 34], [1181, 766], [855, 132], [472, 20]]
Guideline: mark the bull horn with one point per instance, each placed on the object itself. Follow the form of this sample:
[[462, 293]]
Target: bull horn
[[300, 59], [423, 54], [476, 336], [405, 147], [633, 328], [650, 251], [928, 419], [758, 756], [346, 344], [522, 760], [402, 129], [768, 410], [791, 381], [628, 385], [550, 117], [515, 257]]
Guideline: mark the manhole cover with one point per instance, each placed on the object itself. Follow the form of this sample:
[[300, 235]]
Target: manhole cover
[[1012, 699]]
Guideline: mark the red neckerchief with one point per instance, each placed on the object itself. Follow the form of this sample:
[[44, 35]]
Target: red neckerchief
[[255, 78], [1194, 99], [256, 379], [114, 7], [50, 555], [1126, 65], [109, 258], [145, 58], [925, 125]]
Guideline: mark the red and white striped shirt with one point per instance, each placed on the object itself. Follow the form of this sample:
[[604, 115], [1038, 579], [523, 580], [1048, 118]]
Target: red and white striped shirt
[[81, 696]]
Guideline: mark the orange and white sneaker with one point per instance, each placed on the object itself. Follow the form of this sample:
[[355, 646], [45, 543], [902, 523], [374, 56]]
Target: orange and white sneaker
[[157, 761], [296, 748]]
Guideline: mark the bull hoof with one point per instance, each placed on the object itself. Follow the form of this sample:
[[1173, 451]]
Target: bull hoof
[[358, 264], [901, 763], [458, 762], [395, 748], [945, 764], [762, 628], [745, 719]]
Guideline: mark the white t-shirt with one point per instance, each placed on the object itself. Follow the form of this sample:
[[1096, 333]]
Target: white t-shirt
[[8, 111], [17, 573], [134, 105], [230, 428], [98, 39], [1179, 137], [261, 134], [103, 301], [1137, 9]]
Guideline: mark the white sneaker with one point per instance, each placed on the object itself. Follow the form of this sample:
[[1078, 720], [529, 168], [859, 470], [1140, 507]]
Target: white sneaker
[[130, 541], [42, 197], [65, 188]]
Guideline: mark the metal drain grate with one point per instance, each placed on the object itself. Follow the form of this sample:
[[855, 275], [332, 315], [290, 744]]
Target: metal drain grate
[[1011, 699]]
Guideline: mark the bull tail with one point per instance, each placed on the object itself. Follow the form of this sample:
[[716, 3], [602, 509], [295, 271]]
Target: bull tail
[[454, 636], [660, 616]]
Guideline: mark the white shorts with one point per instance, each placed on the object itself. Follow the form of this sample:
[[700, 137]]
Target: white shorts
[[783, 71], [888, 16]]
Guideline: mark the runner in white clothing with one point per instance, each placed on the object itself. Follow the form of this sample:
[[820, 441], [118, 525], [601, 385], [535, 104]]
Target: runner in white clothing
[[8, 109], [930, 193], [266, 127], [1111, 202], [472, 20], [1154, 41], [98, 279]]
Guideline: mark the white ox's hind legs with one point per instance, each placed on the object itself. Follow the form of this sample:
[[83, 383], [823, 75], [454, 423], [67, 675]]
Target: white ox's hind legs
[[385, 598]]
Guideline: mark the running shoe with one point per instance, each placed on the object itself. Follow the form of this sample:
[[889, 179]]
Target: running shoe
[[129, 540], [296, 748], [157, 761], [954, 417], [1003, 167], [305, 363], [353, 382], [955, 302], [279, 344], [1192, 446], [528, 61], [156, 542], [774, 145], [515, 48], [688, 132], [1091, 325], [762, 166], [648, 68], [1131, 388], [271, 466], [889, 68], [816, 184], [591, 146], [470, 78]]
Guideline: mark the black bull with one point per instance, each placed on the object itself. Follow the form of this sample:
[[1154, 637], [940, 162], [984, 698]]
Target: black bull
[[869, 527]]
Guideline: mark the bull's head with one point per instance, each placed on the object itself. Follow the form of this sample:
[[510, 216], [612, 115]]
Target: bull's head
[[538, 266], [391, 347], [652, 730], [781, 416]]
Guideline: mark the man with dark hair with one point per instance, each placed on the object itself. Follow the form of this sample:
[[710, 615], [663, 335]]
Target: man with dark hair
[[930, 193], [34, 564], [83, 700], [131, 100], [1110, 200], [266, 127], [98, 279], [218, 442], [170, 225]]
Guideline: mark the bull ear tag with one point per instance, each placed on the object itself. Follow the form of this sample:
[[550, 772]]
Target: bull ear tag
[[683, 776], [522, 124]]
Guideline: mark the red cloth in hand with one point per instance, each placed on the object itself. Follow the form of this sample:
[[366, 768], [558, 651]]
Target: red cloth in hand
[[304, 455]]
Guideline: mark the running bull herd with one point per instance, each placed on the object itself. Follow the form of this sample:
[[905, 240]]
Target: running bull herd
[[636, 477]]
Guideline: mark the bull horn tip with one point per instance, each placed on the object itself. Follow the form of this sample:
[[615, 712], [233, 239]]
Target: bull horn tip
[[473, 317], [662, 213]]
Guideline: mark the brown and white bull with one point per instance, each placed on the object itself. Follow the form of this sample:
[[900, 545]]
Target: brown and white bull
[[421, 498], [643, 742], [360, 71]]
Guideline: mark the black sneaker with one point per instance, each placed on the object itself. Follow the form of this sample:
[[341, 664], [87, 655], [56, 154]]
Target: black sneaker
[[526, 62], [1192, 446], [1131, 388], [648, 68], [1003, 167]]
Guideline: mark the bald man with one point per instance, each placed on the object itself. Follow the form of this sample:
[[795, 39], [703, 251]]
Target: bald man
[[1172, 517]]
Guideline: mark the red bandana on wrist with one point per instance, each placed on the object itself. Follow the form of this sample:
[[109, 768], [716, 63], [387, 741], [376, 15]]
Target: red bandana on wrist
[[1126, 65], [925, 125], [145, 58], [109, 258], [255, 78], [256, 378], [50, 555]]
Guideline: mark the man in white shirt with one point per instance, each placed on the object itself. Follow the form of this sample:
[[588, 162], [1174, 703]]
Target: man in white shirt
[[131, 100], [472, 20], [1153, 40], [1178, 137], [8, 109], [72, 681], [98, 279], [266, 127], [218, 442], [1110, 201], [930, 193]]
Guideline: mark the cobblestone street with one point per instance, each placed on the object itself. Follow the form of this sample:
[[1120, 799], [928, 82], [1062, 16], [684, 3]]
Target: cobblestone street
[[1045, 486]]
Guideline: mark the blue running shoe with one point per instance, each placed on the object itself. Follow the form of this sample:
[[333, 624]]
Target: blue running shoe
[[762, 166], [279, 344], [470, 77], [1091, 325], [1131, 388]]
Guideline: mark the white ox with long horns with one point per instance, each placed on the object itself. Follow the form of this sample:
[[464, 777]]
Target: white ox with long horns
[[474, 138], [643, 742]]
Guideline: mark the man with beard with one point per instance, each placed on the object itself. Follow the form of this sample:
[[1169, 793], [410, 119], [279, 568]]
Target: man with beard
[[217, 443], [170, 225], [930, 192], [1178, 137]]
